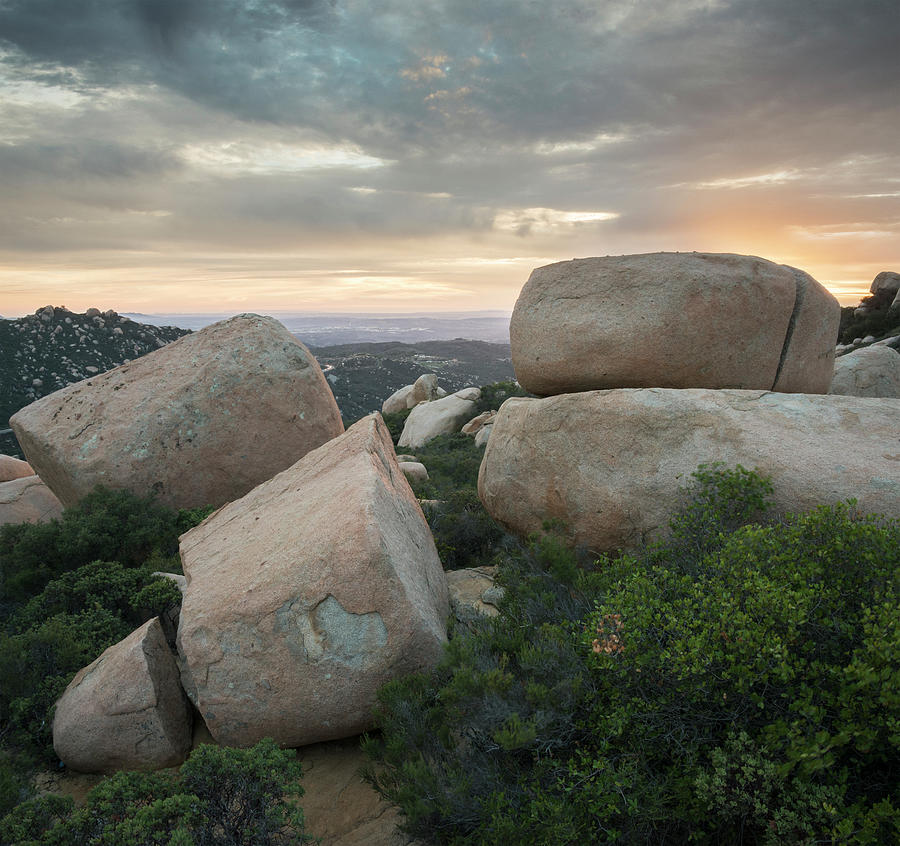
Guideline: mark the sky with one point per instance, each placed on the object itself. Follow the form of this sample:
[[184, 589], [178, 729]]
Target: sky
[[426, 155]]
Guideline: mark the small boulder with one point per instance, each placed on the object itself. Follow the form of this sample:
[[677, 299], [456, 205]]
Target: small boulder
[[609, 464], [425, 389], [869, 372], [308, 594], [198, 422], [474, 593], [28, 500], [438, 417], [414, 470], [476, 423], [677, 320], [397, 401], [483, 435], [126, 710], [13, 468]]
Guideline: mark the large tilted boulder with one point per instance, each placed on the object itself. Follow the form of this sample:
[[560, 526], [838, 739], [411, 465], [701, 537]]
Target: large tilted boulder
[[439, 417], [870, 372], [609, 464], [28, 500], [199, 422], [126, 710], [308, 594], [14, 468], [676, 320]]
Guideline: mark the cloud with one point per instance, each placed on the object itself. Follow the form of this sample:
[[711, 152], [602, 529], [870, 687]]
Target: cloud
[[156, 125]]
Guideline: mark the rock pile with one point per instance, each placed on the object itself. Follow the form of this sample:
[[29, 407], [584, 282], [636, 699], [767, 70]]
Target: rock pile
[[668, 337], [307, 594], [300, 600], [200, 421]]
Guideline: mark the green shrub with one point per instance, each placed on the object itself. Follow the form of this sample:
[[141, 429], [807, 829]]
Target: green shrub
[[105, 526], [493, 396], [222, 797], [737, 685], [63, 629]]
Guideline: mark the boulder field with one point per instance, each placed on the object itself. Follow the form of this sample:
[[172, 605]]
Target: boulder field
[[200, 421], [308, 594], [442, 416], [610, 464], [673, 320]]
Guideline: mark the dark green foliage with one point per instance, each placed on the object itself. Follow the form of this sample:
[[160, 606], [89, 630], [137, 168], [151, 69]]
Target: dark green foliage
[[452, 462], [880, 321], [62, 606], [493, 396], [222, 797], [465, 534], [738, 685], [106, 525]]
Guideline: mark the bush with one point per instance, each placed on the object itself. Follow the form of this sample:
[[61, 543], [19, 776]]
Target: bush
[[106, 526], [740, 684], [222, 797]]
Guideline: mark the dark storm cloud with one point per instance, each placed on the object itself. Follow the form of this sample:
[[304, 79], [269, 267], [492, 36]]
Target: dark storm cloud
[[645, 108]]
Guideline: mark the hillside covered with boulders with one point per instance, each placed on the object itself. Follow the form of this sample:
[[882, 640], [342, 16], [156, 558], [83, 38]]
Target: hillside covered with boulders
[[647, 594]]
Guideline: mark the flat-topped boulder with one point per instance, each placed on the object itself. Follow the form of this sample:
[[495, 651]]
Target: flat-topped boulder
[[126, 710], [308, 594], [200, 421], [610, 464], [438, 417], [675, 320], [28, 500], [869, 372]]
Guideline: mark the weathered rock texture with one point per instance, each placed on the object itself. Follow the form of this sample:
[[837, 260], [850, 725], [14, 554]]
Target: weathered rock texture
[[126, 710], [425, 389], [307, 594], [398, 401], [14, 468], [200, 421], [870, 372], [27, 500], [677, 320], [887, 280], [609, 464], [439, 417], [474, 593]]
